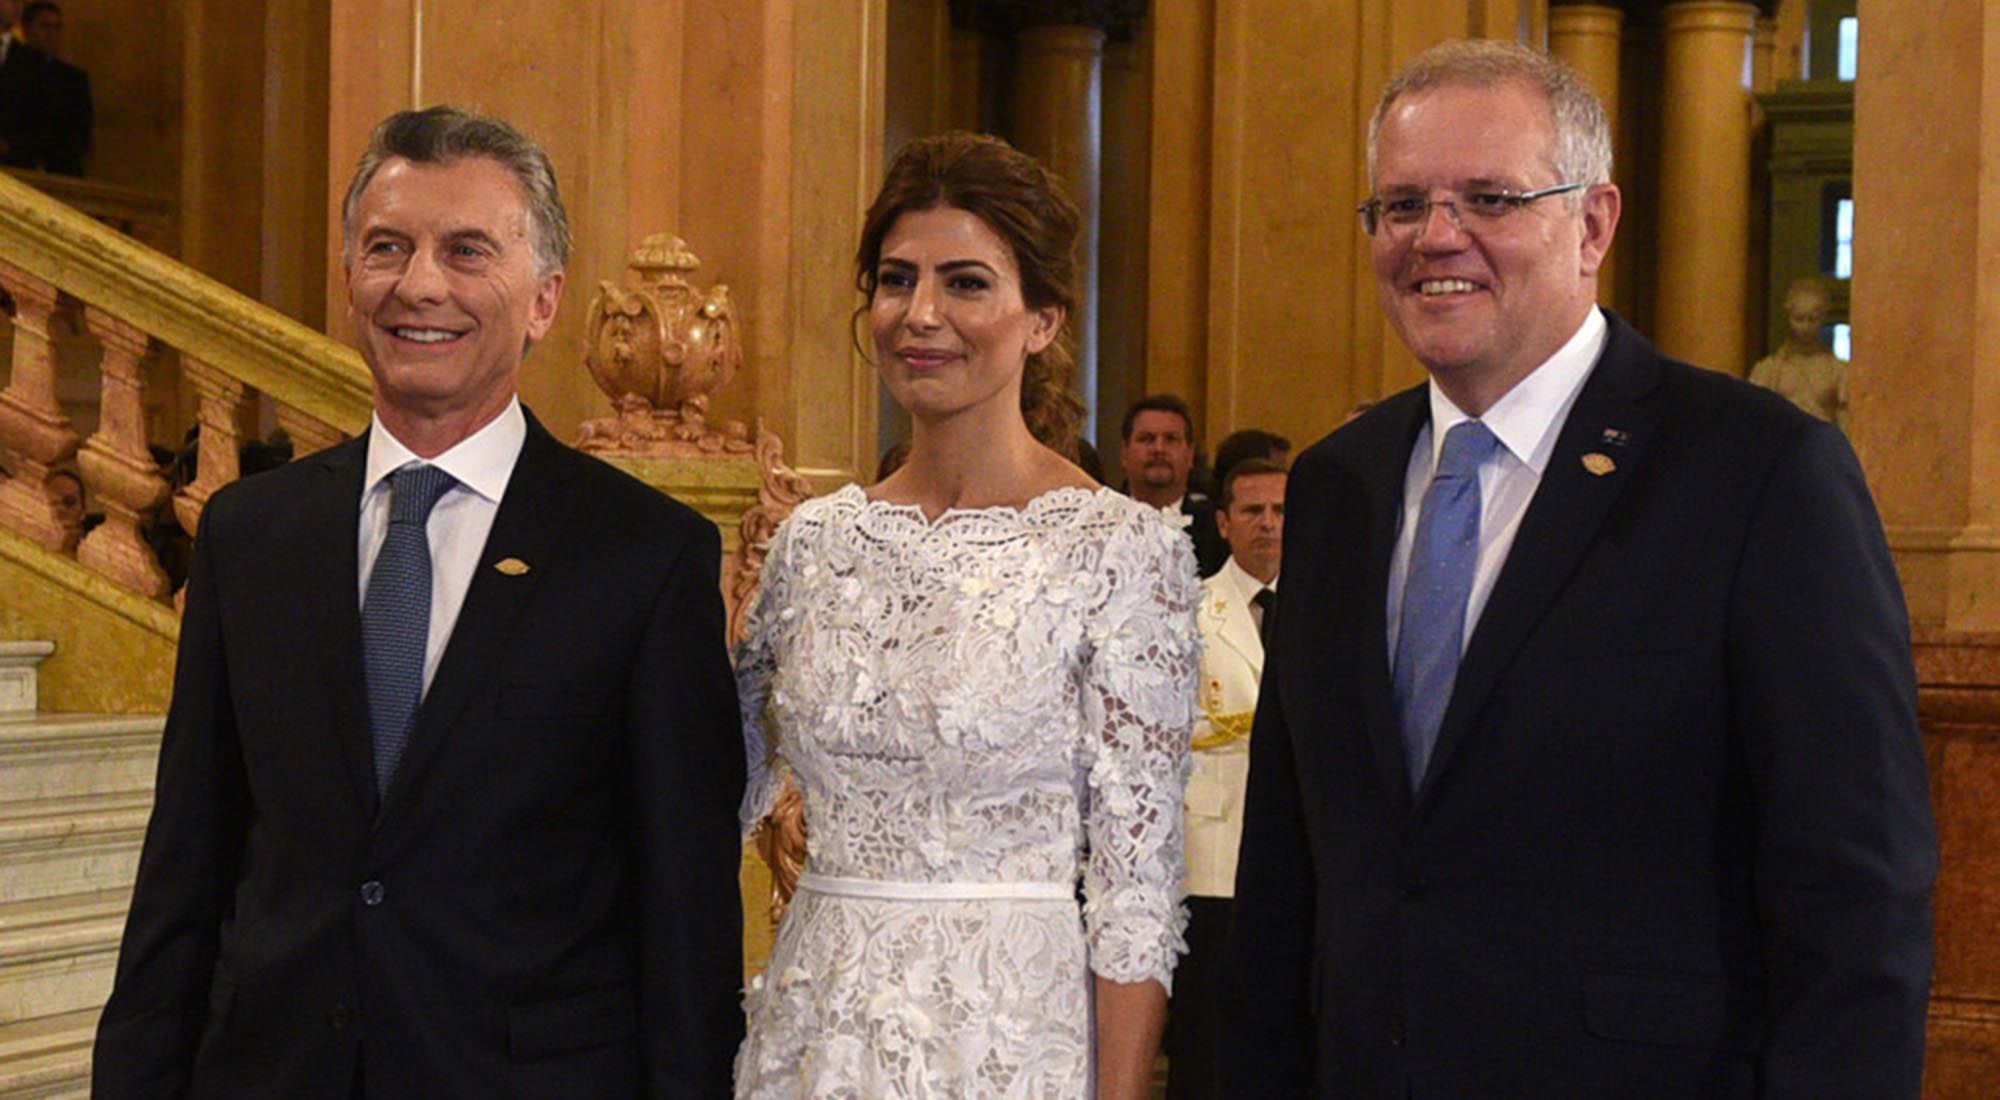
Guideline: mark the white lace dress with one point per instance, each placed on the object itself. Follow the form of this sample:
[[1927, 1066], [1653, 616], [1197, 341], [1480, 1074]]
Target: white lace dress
[[968, 706]]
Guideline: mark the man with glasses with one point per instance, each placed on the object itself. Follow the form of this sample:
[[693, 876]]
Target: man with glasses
[[1586, 761]]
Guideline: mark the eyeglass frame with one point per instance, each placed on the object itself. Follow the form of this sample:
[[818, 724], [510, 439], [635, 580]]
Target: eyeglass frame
[[1512, 202]]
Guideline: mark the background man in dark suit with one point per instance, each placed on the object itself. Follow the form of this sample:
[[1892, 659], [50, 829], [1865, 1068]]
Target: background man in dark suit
[[1586, 762], [523, 885], [1156, 447], [45, 108]]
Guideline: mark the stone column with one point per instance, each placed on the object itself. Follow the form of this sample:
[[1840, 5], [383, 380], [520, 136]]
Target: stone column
[[967, 49], [1586, 38], [1764, 56], [34, 433], [1058, 106], [118, 467], [1925, 384], [1121, 361], [1701, 309], [224, 405]]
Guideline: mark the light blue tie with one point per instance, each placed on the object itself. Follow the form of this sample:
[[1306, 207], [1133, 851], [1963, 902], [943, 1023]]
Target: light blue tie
[[396, 615], [1443, 557]]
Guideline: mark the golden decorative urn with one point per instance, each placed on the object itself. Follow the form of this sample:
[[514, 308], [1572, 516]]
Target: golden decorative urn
[[660, 347]]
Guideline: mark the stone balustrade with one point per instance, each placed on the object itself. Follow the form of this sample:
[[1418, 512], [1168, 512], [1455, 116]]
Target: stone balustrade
[[61, 262]]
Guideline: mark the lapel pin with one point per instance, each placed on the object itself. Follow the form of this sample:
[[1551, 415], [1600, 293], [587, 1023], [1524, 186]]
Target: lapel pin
[[1599, 464], [1616, 437], [512, 567]]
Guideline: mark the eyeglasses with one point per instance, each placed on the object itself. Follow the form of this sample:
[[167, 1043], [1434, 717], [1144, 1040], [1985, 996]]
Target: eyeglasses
[[1408, 212]]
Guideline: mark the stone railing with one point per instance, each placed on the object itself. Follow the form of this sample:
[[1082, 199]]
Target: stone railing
[[144, 216], [138, 303]]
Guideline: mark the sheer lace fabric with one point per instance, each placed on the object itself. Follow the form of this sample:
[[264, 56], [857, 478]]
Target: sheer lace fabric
[[978, 699]]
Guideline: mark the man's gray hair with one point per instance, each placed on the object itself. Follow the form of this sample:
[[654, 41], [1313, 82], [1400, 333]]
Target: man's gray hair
[[1582, 151], [439, 135]]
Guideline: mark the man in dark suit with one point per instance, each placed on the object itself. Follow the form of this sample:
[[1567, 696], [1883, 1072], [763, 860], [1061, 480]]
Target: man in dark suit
[[45, 108], [1156, 447], [472, 833], [1586, 761]]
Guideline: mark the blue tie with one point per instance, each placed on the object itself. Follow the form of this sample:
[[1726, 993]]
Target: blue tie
[[396, 615], [1443, 557]]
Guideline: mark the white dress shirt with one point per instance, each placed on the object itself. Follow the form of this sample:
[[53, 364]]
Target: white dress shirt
[[483, 462], [1526, 420]]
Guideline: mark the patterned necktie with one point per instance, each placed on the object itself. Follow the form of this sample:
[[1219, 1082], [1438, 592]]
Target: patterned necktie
[[1443, 556], [1262, 602], [396, 615]]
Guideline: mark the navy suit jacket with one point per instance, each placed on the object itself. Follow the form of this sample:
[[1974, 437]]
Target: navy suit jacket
[[1675, 839], [543, 904]]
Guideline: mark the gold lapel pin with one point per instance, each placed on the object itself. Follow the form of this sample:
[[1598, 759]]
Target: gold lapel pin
[[512, 567], [1599, 464]]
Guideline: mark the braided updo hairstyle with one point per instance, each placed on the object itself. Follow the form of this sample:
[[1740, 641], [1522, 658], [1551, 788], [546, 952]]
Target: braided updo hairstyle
[[1022, 202]]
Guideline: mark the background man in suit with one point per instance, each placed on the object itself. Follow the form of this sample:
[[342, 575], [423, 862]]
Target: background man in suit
[[1235, 609], [45, 108], [1586, 763], [1157, 450], [473, 833]]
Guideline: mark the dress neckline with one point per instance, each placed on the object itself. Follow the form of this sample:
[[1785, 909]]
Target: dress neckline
[[1035, 504]]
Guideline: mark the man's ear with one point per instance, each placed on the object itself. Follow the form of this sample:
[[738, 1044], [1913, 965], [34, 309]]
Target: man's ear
[[542, 311], [1601, 206]]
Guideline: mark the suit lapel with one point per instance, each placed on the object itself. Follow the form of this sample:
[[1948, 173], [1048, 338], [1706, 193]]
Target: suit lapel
[[1388, 465], [493, 601], [329, 539], [1612, 421]]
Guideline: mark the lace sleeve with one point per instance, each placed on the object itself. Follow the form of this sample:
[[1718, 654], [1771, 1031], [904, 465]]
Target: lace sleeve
[[756, 666], [1139, 700]]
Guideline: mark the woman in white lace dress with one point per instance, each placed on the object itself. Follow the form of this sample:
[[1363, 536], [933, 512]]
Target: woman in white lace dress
[[980, 673]]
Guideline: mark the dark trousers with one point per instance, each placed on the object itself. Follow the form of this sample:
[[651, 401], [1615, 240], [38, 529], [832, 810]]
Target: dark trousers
[[1194, 1017]]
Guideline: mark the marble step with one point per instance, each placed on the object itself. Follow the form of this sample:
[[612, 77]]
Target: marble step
[[47, 1058], [71, 844], [57, 954], [54, 755]]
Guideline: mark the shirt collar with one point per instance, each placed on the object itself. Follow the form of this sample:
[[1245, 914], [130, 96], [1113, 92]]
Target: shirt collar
[[482, 462], [1246, 585], [1525, 418]]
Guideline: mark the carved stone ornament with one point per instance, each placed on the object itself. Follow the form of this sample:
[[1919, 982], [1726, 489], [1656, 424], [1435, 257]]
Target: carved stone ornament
[[781, 836], [660, 348]]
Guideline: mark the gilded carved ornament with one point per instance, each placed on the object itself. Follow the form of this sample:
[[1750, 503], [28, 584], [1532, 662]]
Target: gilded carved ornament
[[660, 348]]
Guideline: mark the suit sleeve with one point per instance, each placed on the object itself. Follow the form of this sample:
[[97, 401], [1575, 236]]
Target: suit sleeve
[[1268, 1048], [148, 1034], [1846, 853], [686, 778]]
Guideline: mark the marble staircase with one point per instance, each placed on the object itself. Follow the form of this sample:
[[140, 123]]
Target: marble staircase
[[75, 791]]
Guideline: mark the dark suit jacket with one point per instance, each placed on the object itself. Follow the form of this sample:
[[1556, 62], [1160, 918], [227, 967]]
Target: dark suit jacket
[[545, 902], [1675, 840], [45, 112], [1210, 550]]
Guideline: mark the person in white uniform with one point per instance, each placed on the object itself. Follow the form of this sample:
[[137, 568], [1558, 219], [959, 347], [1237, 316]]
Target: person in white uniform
[[1235, 606]]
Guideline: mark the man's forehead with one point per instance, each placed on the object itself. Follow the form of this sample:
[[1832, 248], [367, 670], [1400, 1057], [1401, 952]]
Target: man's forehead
[[1261, 484], [1159, 422], [436, 191], [1484, 124]]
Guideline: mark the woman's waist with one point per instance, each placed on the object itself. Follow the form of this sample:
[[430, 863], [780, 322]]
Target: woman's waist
[[958, 889]]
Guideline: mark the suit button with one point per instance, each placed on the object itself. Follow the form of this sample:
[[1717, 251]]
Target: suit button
[[371, 893], [338, 1017], [1395, 1032]]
